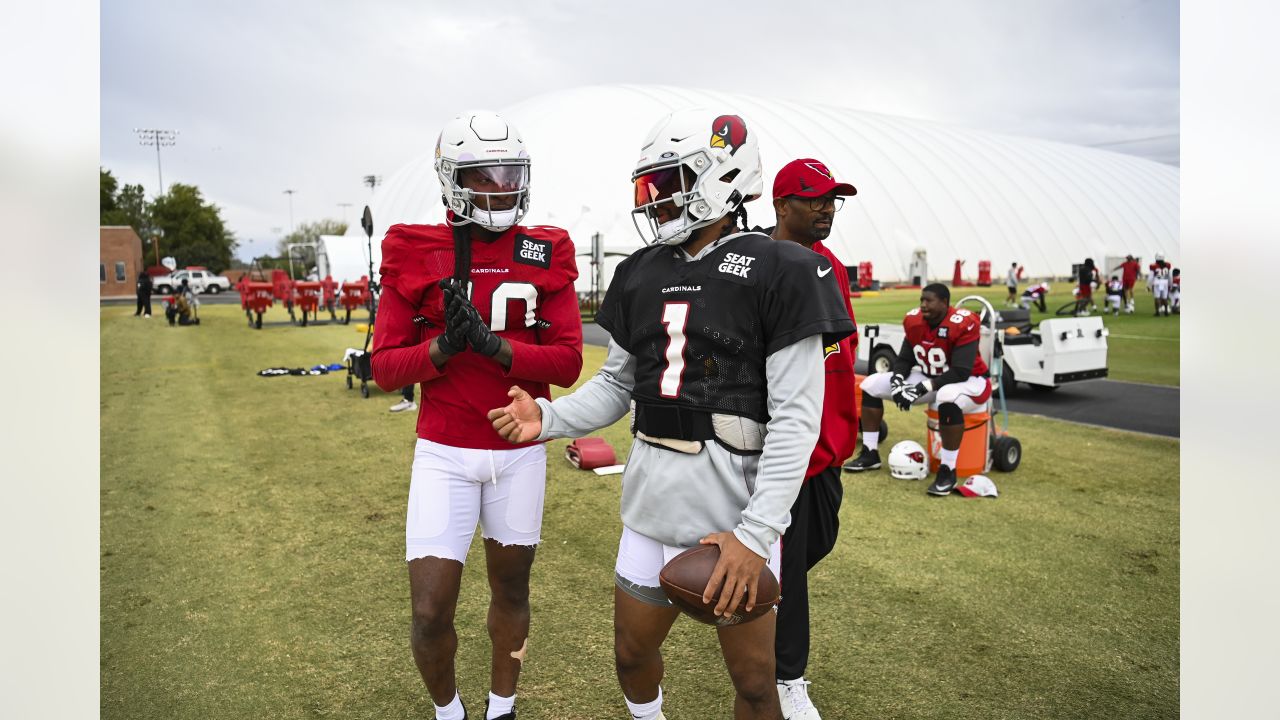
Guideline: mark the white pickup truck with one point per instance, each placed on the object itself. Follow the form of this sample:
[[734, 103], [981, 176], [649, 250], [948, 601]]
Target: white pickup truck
[[200, 280], [1061, 350]]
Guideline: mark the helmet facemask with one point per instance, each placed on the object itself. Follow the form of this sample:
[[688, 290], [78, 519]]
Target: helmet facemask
[[672, 198], [491, 194]]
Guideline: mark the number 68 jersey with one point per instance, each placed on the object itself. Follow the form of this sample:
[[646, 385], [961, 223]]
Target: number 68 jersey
[[932, 347]]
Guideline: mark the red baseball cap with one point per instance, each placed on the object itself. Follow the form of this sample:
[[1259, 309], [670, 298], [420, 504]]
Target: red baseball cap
[[808, 178]]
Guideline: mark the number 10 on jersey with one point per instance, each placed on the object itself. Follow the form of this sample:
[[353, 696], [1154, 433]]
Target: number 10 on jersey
[[675, 315]]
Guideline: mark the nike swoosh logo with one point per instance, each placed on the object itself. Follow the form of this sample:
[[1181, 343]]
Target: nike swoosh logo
[[823, 272]]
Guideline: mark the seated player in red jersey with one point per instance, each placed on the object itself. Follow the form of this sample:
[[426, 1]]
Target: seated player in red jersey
[[939, 364], [469, 308]]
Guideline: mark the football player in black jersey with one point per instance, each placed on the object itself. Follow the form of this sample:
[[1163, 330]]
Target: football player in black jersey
[[717, 339]]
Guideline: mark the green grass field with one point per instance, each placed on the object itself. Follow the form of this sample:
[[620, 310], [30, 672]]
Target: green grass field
[[1141, 348], [252, 561]]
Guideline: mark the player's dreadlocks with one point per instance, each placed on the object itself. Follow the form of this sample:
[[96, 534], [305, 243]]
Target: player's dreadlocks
[[741, 215]]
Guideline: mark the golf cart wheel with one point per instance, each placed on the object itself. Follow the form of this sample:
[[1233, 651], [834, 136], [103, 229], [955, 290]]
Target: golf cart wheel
[[1006, 379], [1043, 388], [1007, 452], [349, 381], [364, 390], [213, 289], [881, 360], [884, 430]]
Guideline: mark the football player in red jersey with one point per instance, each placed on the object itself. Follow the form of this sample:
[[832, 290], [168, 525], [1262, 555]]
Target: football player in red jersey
[[939, 364], [717, 337], [1036, 295], [1128, 277], [465, 334], [806, 197]]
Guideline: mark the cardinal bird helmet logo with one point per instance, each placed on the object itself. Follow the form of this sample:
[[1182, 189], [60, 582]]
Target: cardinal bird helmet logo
[[728, 131]]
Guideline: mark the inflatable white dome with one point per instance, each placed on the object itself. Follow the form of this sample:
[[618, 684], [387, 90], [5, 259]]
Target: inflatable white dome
[[957, 193]]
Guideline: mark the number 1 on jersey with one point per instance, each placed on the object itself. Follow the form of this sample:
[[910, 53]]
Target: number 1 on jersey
[[675, 315]]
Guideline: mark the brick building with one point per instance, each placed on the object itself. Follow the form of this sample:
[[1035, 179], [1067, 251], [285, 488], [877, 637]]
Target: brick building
[[120, 260]]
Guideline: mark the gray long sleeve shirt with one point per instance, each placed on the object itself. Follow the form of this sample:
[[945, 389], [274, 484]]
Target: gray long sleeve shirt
[[678, 498]]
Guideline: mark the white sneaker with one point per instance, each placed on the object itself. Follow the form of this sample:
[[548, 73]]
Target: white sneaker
[[793, 695], [404, 405]]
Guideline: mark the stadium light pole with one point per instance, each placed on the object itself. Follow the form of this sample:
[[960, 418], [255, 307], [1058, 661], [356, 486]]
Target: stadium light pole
[[157, 138]]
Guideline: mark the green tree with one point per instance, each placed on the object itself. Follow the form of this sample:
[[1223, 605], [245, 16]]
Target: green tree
[[307, 232], [191, 230], [107, 184], [126, 206]]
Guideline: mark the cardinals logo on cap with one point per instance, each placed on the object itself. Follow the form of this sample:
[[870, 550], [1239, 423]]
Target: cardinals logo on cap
[[728, 131], [820, 169]]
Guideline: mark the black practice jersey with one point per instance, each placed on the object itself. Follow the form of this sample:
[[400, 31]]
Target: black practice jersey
[[700, 330]]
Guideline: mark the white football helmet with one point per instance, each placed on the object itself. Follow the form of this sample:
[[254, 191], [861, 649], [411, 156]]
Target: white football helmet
[[483, 169], [907, 461], [695, 167]]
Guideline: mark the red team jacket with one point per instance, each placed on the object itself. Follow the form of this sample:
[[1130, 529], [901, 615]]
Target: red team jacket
[[932, 346], [838, 436], [522, 286]]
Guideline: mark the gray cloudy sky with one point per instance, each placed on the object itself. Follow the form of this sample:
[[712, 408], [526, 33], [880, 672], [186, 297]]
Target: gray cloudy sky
[[312, 96]]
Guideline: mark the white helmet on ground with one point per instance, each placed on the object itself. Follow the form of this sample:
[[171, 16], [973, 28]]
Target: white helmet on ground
[[907, 461], [695, 167], [483, 169]]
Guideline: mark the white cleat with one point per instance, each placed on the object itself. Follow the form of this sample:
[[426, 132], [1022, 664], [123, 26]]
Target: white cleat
[[793, 696], [404, 405]]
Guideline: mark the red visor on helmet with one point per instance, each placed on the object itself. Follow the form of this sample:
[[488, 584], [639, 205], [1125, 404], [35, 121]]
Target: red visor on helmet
[[658, 185]]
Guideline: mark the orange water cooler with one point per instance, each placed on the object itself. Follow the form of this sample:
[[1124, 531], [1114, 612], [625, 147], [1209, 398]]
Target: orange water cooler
[[973, 458]]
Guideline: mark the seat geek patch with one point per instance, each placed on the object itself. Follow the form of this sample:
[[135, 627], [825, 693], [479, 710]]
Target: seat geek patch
[[737, 268], [531, 251]]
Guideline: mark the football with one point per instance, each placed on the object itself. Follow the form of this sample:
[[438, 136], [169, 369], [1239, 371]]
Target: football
[[686, 575]]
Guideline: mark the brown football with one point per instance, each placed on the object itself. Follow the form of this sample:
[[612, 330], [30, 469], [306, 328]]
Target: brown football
[[686, 575]]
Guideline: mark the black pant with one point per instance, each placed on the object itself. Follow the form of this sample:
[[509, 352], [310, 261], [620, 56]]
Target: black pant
[[407, 392], [815, 522], [144, 302]]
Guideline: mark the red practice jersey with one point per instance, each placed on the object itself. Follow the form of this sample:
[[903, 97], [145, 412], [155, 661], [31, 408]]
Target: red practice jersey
[[838, 436], [522, 286], [932, 346], [1129, 272]]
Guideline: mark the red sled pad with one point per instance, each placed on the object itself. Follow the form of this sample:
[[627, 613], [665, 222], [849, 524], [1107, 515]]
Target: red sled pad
[[589, 453]]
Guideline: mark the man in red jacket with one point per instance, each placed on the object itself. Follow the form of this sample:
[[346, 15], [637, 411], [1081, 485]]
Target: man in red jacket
[[469, 308], [805, 198]]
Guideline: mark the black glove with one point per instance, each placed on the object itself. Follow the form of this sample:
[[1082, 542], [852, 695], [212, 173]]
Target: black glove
[[479, 336], [907, 396], [896, 383], [456, 323]]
